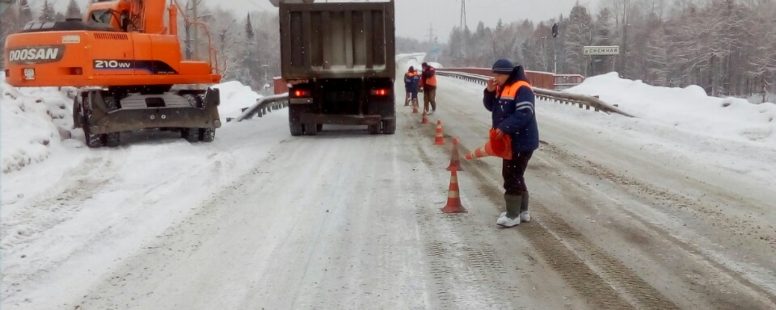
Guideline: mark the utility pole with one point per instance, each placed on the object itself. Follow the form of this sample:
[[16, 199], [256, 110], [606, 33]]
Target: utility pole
[[555, 33], [463, 15], [545, 64]]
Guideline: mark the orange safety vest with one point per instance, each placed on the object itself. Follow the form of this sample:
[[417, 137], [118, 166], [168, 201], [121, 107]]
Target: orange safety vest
[[432, 81], [510, 92]]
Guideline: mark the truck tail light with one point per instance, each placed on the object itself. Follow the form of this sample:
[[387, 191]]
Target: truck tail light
[[301, 93], [380, 92]]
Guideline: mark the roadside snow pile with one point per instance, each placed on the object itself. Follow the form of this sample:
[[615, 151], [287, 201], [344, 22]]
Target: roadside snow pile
[[33, 121], [688, 109], [234, 97]]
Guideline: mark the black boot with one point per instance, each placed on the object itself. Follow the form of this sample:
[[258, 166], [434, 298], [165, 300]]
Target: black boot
[[524, 215], [511, 217]]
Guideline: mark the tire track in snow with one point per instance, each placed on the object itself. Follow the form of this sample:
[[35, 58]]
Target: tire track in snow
[[176, 241], [603, 279], [656, 195], [594, 276], [464, 266], [664, 197], [42, 214], [711, 291]]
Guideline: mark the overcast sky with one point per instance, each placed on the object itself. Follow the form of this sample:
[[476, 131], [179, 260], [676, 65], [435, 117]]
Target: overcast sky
[[415, 17]]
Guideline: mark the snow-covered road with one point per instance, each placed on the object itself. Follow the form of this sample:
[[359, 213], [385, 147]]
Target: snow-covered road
[[260, 219]]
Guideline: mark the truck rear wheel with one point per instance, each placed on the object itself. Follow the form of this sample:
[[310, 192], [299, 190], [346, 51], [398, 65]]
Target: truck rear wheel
[[296, 128], [91, 140], [389, 126], [190, 134], [311, 129], [208, 134], [112, 139], [76, 111], [374, 129]]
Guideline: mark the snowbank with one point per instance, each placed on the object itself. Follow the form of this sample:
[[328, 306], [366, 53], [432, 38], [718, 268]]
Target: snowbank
[[688, 109], [234, 97], [34, 120]]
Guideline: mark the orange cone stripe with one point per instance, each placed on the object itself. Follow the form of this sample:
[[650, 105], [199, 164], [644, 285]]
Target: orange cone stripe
[[453, 195]]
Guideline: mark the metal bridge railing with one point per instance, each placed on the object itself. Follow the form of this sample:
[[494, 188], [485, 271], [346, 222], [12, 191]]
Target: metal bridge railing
[[263, 106], [584, 102]]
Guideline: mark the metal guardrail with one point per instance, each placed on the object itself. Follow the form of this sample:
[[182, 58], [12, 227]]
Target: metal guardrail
[[263, 106], [584, 102]]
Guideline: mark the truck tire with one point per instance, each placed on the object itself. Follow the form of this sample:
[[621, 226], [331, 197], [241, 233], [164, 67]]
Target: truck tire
[[91, 140], [112, 139], [110, 102], [311, 129], [76, 112], [296, 128], [190, 134], [208, 134], [374, 129], [389, 126]]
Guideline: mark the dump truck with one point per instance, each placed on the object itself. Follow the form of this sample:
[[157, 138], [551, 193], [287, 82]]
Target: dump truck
[[338, 62], [125, 58]]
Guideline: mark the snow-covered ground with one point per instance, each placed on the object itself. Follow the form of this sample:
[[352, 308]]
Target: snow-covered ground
[[648, 212], [234, 97], [728, 133], [33, 121], [63, 204]]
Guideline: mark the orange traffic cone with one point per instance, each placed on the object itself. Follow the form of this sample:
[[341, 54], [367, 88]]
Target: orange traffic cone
[[439, 139], [496, 146], [424, 120], [455, 161], [453, 197]]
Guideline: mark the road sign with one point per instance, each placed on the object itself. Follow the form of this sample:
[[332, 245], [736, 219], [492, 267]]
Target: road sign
[[601, 50]]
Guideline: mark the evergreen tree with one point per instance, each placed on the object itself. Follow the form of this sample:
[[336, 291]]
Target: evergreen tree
[[602, 37], [47, 14], [249, 62], [25, 14], [73, 10], [578, 35]]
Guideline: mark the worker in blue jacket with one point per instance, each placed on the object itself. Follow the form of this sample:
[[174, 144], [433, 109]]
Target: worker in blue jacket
[[411, 84], [510, 99]]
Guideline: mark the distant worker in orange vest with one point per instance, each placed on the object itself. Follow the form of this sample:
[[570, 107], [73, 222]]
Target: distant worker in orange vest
[[510, 99], [428, 81], [411, 82]]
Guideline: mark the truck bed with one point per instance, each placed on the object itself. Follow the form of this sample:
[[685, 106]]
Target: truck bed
[[337, 40]]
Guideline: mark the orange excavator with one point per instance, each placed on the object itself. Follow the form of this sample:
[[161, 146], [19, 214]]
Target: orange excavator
[[127, 63]]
